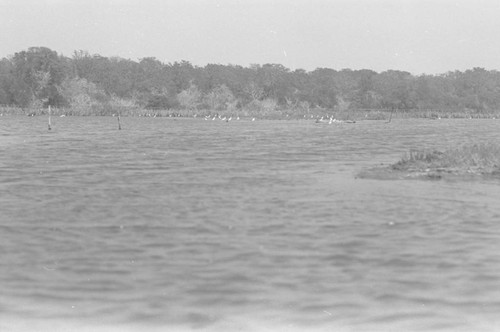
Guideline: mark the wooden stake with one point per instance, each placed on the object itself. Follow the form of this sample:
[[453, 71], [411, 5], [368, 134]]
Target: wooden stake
[[390, 117], [49, 119], [119, 124]]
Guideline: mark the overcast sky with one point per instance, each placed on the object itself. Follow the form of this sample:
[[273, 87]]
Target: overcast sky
[[429, 36]]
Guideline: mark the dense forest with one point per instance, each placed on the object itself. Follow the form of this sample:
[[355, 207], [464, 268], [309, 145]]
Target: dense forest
[[39, 77]]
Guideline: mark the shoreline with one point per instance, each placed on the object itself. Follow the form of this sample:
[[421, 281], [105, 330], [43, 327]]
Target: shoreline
[[285, 114]]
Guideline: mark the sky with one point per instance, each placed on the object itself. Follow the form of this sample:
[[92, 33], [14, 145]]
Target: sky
[[418, 36]]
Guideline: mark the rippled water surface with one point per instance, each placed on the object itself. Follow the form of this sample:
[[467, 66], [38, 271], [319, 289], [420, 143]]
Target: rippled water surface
[[186, 224]]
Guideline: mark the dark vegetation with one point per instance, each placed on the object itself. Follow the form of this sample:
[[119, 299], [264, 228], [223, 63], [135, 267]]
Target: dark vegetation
[[86, 84]]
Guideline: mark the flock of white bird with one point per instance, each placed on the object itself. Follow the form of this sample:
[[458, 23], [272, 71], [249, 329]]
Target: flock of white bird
[[222, 118], [328, 119], [331, 120]]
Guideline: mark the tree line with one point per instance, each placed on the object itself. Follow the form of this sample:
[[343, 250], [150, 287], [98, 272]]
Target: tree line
[[39, 77]]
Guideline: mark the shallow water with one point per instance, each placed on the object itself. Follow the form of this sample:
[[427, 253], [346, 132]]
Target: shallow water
[[186, 224]]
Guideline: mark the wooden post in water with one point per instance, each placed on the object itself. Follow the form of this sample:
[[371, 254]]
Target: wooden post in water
[[119, 124], [390, 117], [49, 119]]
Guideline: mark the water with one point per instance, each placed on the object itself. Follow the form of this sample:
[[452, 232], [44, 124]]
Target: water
[[186, 224]]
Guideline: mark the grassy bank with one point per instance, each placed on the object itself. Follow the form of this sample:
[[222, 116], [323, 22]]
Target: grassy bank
[[474, 159], [478, 160]]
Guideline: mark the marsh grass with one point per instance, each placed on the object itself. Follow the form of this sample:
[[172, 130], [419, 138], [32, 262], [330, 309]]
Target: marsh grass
[[478, 158]]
